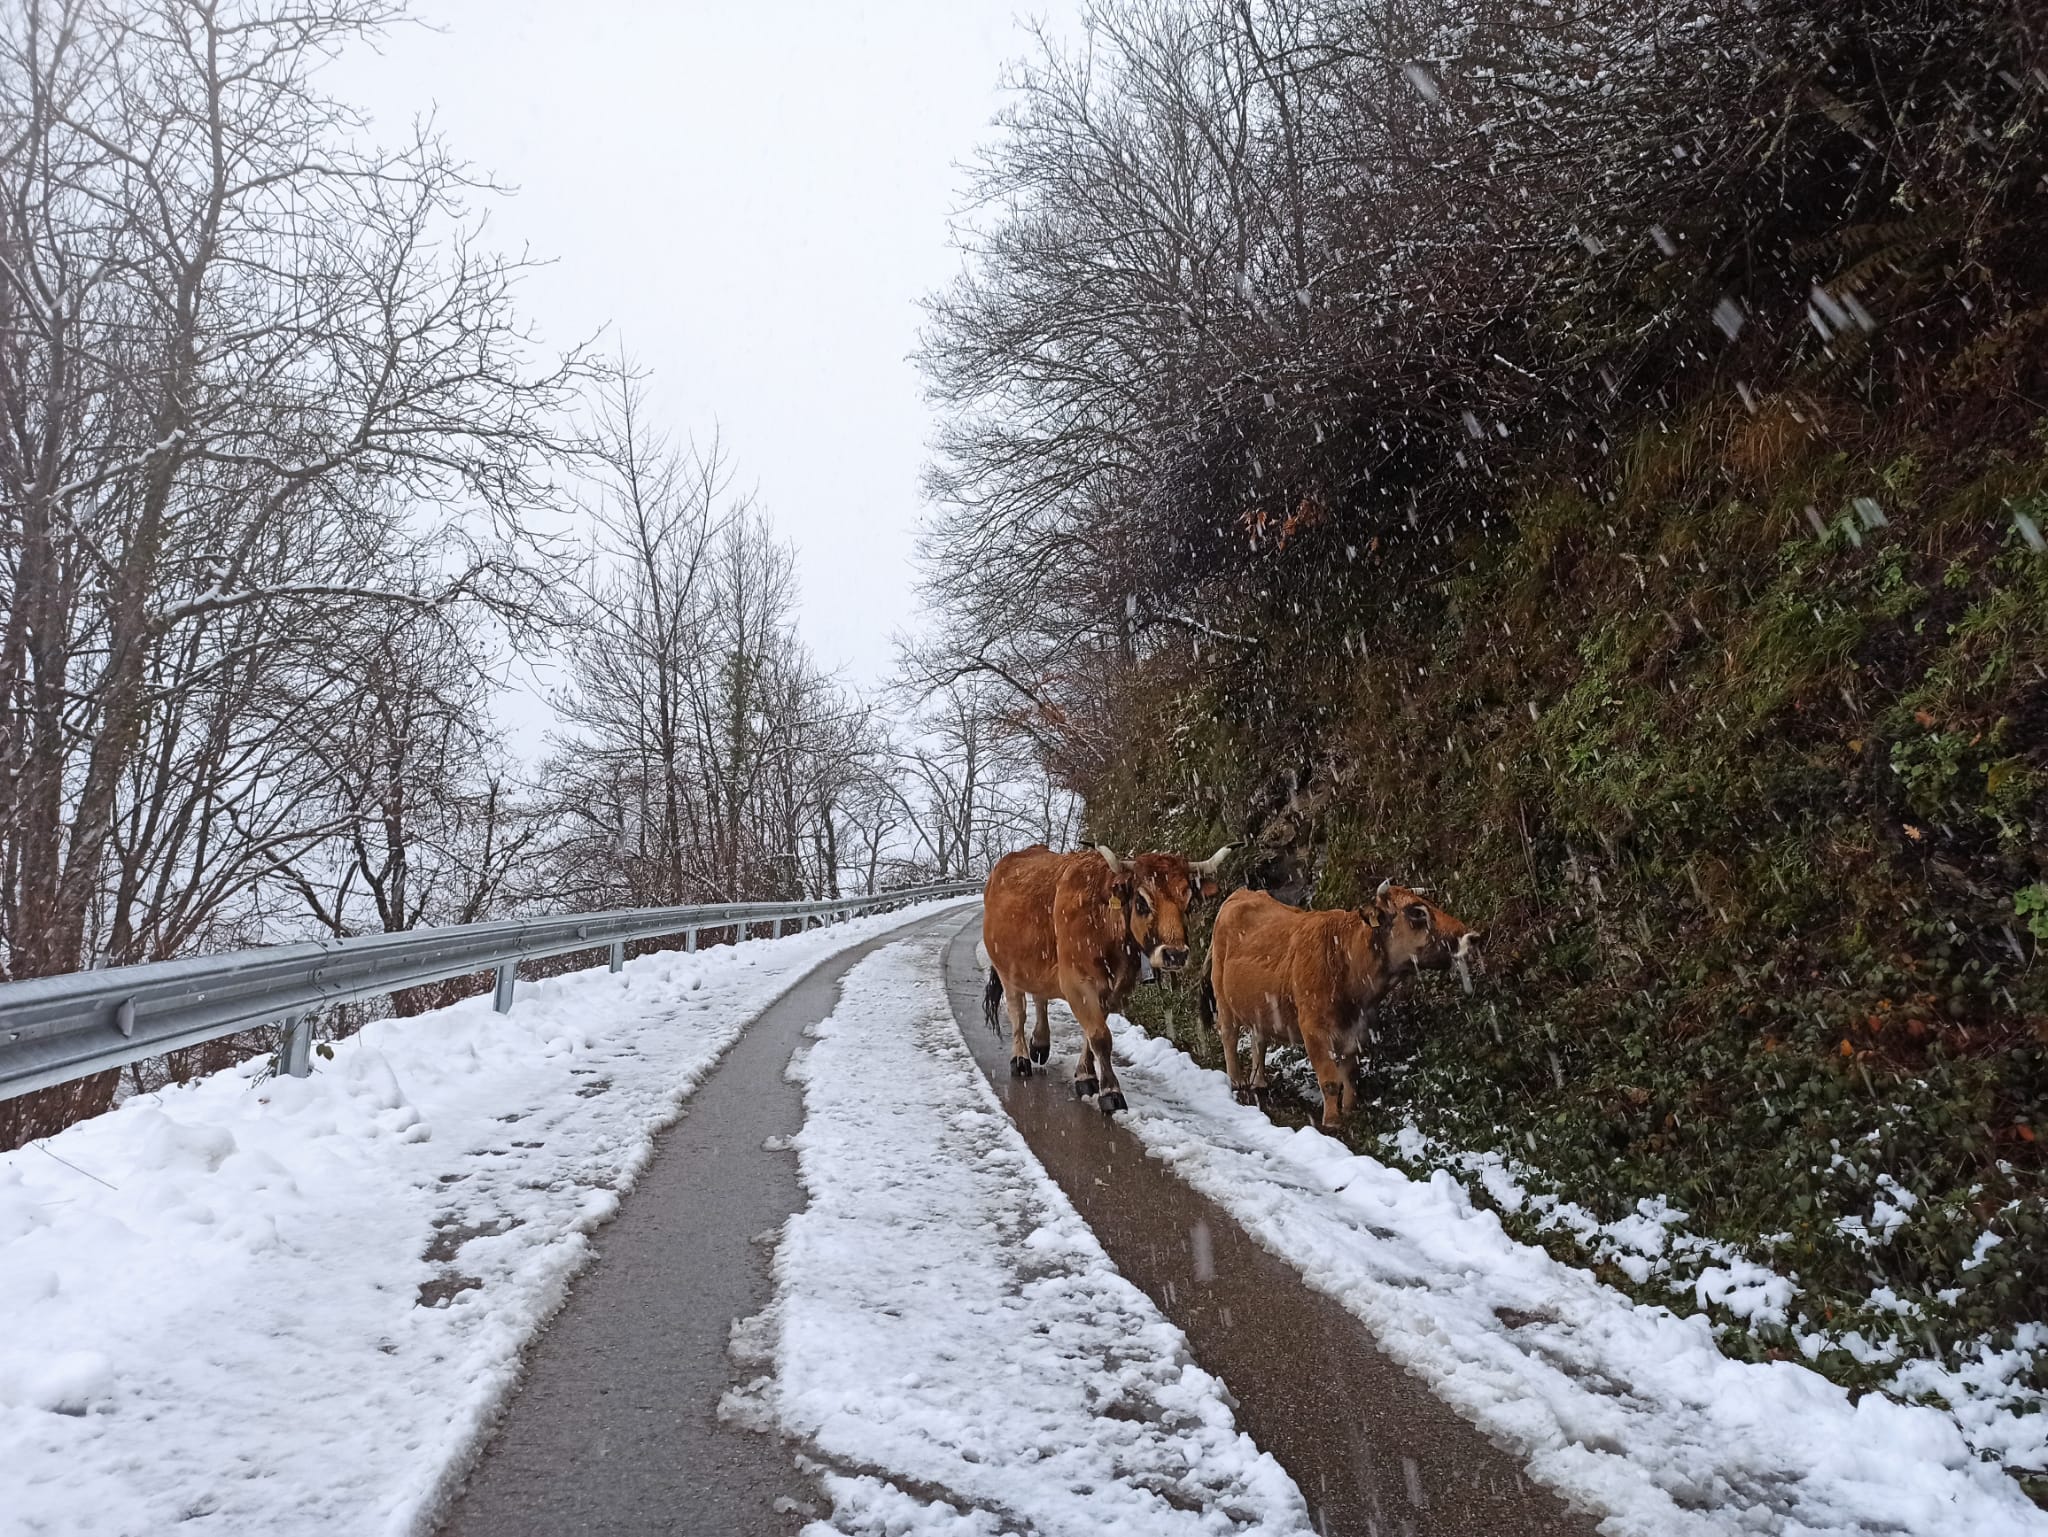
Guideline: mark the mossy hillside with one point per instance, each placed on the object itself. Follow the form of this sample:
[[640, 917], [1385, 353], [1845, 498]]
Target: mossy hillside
[[1739, 753]]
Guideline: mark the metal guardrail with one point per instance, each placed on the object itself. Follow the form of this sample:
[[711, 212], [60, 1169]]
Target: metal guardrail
[[55, 1029]]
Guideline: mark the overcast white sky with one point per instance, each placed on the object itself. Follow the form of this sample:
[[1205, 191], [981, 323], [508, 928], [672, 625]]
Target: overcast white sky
[[752, 196]]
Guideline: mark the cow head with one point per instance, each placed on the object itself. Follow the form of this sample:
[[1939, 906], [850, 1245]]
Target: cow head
[[1157, 890], [1414, 932]]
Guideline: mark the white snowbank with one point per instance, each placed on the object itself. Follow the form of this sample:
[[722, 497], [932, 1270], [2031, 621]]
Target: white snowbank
[[950, 1338], [1987, 1391], [1630, 1409], [1652, 1241], [293, 1305]]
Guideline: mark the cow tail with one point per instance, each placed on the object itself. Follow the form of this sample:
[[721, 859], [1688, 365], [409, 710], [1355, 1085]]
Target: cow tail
[[1206, 1002], [992, 1000]]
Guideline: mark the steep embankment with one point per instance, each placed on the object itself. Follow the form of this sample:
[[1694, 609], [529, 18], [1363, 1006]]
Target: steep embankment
[[1590, 459], [1739, 755]]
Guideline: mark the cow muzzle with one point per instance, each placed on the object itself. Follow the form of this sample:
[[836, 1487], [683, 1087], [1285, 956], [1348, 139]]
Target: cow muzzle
[[1169, 957]]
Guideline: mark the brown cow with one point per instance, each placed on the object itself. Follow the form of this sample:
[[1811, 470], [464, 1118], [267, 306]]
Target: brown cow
[[1086, 927], [1313, 979]]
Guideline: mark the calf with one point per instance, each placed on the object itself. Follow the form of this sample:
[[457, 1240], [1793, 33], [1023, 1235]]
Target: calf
[[1313, 979], [1086, 927]]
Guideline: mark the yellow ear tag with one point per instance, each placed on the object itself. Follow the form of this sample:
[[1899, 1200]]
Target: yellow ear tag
[[1116, 904]]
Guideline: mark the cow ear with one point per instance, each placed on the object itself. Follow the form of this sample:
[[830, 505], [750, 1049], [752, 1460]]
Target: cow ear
[[1120, 888], [1208, 887]]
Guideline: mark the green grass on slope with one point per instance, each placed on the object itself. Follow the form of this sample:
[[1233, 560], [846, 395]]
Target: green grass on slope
[[1744, 765]]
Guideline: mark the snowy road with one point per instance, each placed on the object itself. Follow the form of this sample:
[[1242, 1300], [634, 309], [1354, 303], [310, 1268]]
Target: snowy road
[[279, 1307], [295, 1305], [1369, 1446], [950, 1338]]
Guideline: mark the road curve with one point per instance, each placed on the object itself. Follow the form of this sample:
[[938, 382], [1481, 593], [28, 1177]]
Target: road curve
[[1373, 1451], [615, 1426]]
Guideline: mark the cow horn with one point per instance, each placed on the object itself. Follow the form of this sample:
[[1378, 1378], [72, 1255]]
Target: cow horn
[[1210, 865], [1386, 886], [1110, 854]]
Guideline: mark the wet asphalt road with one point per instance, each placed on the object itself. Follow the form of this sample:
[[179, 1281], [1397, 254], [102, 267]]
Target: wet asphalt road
[[1372, 1450], [615, 1428]]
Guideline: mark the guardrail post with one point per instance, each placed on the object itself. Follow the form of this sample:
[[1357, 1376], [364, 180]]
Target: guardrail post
[[508, 972], [689, 940], [295, 1057], [618, 954]]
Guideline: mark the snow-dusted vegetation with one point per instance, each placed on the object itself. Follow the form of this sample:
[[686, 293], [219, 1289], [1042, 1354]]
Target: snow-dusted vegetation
[[289, 492], [1633, 1410], [1587, 459], [1590, 459]]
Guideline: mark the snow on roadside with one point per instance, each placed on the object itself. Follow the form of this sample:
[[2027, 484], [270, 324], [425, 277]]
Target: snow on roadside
[[295, 1304], [1630, 1409], [949, 1336], [1988, 1391]]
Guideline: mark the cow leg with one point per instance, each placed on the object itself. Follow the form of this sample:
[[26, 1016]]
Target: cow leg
[[1020, 1063], [1085, 1081], [1317, 1039], [1095, 1074], [1041, 1038], [1256, 1085], [1226, 1032]]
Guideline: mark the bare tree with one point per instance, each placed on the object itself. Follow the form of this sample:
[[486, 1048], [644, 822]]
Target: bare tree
[[707, 757], [258, 384], [414, 781], [627, 785], [871, 810], [1253, 288], [972, 784]]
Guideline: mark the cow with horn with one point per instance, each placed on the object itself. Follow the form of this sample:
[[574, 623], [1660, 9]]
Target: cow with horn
[[1086, 927], [1291, 977]]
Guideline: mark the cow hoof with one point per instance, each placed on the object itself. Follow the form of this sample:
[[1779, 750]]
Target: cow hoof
[[1020, 1067], [1083, 1087], [1243, 1095], [1041, 1054], [1111, 1102], [1331, 1131]]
